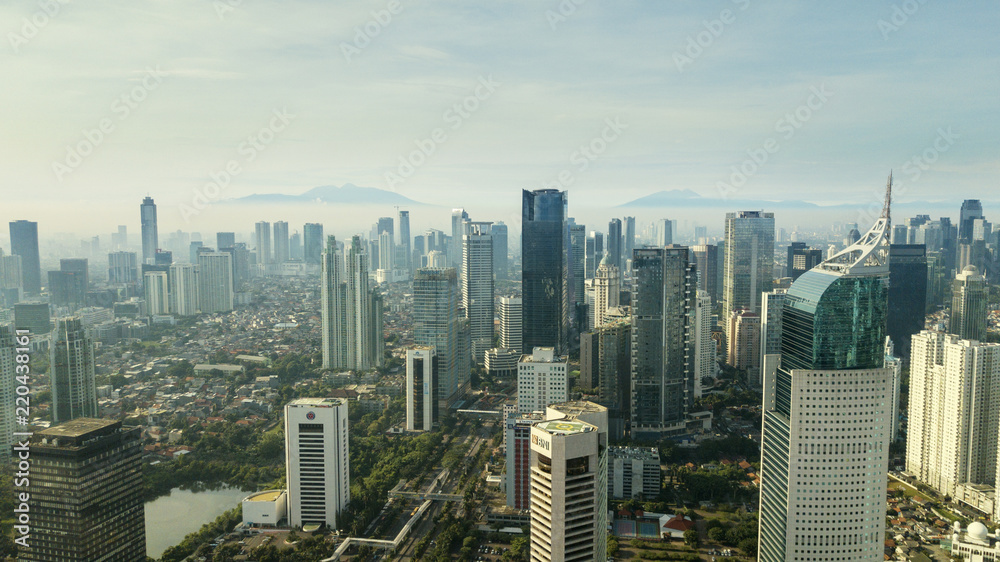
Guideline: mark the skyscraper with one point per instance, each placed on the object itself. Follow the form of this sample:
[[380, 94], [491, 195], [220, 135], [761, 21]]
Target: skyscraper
[[605, 357], [183, 281], [629, 239], [664, 232], [123, 268], [225, 240], [500, 260], [215, 282], [801, 259], [317, 460], [86, 493], [421, 389], [458, 219], [364, 312], [71, 363], [477, 285], [436, 323], [510, 324], [578, 257], [704, 357], [24, 243], [954, 406], [542, 379], [706, 256], [749, 260], [150, 237], [969, 300], [263, 242], [386, 251], [614, 250], [405, 241], [823, 492], [607, 287], [312, 241], [334, 311], [545, 269], [663, 294], [281, 247], [8, 372], [11, 279], [156, 289], [68, 286], [744, 344], [907, 294], [971, 210]]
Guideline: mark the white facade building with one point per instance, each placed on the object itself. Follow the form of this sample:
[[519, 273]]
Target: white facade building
[[607, 287], [157, 292], [8, 343], [183, 279], [215, 282], [510, 323], [704, 346], [477, 285], [317, 462], [542, 379]]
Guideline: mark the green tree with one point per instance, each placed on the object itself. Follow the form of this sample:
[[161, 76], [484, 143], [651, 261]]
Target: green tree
[[691, 538]]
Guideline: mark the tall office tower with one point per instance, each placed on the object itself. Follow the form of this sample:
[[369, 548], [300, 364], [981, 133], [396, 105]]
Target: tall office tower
[[8, 372], [969, 300], [510, 324], [822, 498], [700, 234], [545, 270], [663, 294], [123, 268], [542, 379], [744, 344], [953, 411], [71, 364], [517, 436], [578, 257], [405, 241], [801, 259], [477, 285], [664, 232], [385, 224], [372, 247], [604, 366], [157, 292], [895, 363], [241, 263], [150, 237], [706, 258], [295, 252], [215, 282], [907, 294], [629, 233], [119, 240], [386, 251], [33, 316], [501, 262], [193, 250], [749, 260], [86, 493], [183, 283], [458, 219], [900, 234], [312, 241], [421, 389], [614, 250], [590, 266], [24, 243], [704, 345], [334, 311], [972, 209], [11, 277], [68, 286], [437, 259], [569, 484], [972, 253], [225, 240], [281, 247], [317, 460], [771, 308], [77, 266], [364, 312], [162, 257], [436, 316], [262, 239], [607, 287]]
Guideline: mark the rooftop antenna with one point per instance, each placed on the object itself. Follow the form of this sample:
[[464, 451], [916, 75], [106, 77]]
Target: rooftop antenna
[[888, 199]]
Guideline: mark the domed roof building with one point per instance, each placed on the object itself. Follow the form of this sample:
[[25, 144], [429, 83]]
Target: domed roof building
[[975, 544]]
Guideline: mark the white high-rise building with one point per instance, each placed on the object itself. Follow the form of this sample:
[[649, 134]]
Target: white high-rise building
[[386, 251], [896, 364], [262, 239], [510, 323], [477, 285], [8, 365], [954, 411], [215, 282], [421, 389], [183, 279], [157, 292], [334, 307], [607, 287], [364, 312], [704, 345], [10, 274], [569, 484], [542, 379], [281, 245], [317, 460], [123, 268]]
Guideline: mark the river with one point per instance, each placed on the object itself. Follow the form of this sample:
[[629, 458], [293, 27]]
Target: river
[[170, 518]]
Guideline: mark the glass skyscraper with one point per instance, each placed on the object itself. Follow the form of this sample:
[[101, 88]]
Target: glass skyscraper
[[828, 410], [24, 243], [545, 261], [749, 260]]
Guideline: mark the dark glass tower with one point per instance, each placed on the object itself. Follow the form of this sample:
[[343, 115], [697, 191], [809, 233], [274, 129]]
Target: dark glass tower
[[972, 209], [24, 243], [907, 294], [545, 270], [801, 259], [615, 243], [150, 237]]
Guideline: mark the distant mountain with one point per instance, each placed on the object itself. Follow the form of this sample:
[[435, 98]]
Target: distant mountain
[[347, 194], [685, 198]]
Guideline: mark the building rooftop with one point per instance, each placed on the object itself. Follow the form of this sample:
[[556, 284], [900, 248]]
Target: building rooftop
[[268, 496], [564, 427], [77, 427], [642, 453], [316, 402], [543, 355], [577, 407]]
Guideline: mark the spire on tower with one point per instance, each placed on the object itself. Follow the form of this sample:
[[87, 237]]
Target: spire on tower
[[888, 198]]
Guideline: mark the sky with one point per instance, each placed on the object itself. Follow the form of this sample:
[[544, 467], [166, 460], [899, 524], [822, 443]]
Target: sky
[[457, 103]]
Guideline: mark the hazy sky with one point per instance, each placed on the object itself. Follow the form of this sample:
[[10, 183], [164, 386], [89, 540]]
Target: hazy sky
[[503, 96]]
